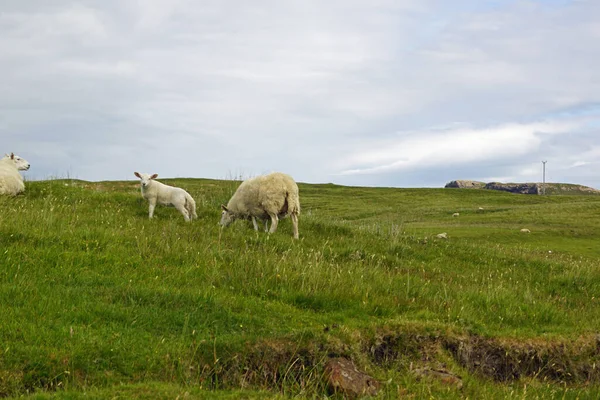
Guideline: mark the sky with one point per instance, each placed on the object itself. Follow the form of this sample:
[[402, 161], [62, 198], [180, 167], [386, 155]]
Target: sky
[[400, 93]]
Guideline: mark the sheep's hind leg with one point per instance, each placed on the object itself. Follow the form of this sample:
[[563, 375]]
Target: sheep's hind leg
[[254, 223], [295, 224], [181, 208]]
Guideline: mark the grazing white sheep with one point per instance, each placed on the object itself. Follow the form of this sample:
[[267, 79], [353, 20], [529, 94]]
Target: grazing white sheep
[[455, 214], [442, 235], [156, 192], [268, 197], [11, 181], [525, 230]]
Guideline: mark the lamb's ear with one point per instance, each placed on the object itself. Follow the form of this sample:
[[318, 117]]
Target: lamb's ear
[[137, 174], [154, 176], [12, 156], [224, 207]]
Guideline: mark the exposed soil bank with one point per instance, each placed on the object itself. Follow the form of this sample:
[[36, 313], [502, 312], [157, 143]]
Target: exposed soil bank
[[272, 364], [300, 366]]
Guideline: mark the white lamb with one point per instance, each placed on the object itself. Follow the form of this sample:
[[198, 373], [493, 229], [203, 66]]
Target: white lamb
[[268, 197], [156, 192], [11, 181]]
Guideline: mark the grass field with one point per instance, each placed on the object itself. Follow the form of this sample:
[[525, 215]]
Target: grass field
[[98, 301]]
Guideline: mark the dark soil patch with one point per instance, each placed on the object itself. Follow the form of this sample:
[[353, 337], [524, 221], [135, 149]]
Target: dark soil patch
[[275, 364], [571, 362], [505, 360]]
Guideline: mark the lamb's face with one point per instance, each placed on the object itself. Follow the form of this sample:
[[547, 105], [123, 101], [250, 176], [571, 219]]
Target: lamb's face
[[20, 163], [226, 217], [145, 178]]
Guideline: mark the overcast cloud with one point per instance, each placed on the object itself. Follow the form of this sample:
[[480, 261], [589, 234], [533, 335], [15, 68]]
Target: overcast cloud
[[406, 93]]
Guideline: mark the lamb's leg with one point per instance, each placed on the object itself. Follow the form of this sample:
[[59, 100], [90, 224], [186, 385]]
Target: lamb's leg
[[255, 223], [295, 224], [190, 206], [274, 222], [181, 208], [266, 225], [151, 205]]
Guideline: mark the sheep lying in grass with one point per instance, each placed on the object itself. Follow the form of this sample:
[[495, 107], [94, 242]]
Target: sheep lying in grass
[[156, 192], [11, 181], [268, 197]]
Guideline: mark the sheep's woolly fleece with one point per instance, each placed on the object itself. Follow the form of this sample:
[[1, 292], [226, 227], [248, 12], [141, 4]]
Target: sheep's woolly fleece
[[11, 181], [267, 197]]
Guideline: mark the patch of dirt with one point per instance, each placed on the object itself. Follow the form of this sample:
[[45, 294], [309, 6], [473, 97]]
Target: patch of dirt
[[272, 364], [505, 360], [389, 348], [575, 361]]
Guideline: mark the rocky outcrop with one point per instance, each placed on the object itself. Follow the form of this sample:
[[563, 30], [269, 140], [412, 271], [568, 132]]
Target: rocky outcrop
[[526, 188], [343, 377], [522, 188], [464, 184]]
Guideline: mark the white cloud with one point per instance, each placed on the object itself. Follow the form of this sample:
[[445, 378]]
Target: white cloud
[[412, 150]]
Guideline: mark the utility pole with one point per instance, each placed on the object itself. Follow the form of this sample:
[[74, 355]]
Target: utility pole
[[544, 178]]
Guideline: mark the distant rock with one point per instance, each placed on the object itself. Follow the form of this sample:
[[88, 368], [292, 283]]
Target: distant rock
[[463, 184], [522, 188], [526, 188]]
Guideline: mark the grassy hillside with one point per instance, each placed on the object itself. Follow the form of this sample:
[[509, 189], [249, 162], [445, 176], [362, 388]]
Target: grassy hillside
[[97, 300]]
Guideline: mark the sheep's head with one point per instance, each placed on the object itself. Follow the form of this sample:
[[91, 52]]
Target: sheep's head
[[20, 163], [146, 178], [227, 216]]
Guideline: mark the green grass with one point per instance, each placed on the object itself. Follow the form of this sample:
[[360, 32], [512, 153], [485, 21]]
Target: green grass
[[96, 298]]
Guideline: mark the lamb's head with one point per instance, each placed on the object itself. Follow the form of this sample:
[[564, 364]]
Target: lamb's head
[[21, 163], [227, 217], [146, 178]]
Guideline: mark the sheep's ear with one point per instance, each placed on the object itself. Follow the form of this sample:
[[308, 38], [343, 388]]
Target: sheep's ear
[[224, 207], [12, 156], [154, 176], [137, 174]]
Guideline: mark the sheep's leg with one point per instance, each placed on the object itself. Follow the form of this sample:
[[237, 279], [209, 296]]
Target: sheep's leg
[[254, 223], [274, 222], [266, 225], [294, 217], [181, 208], [151, 205]]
